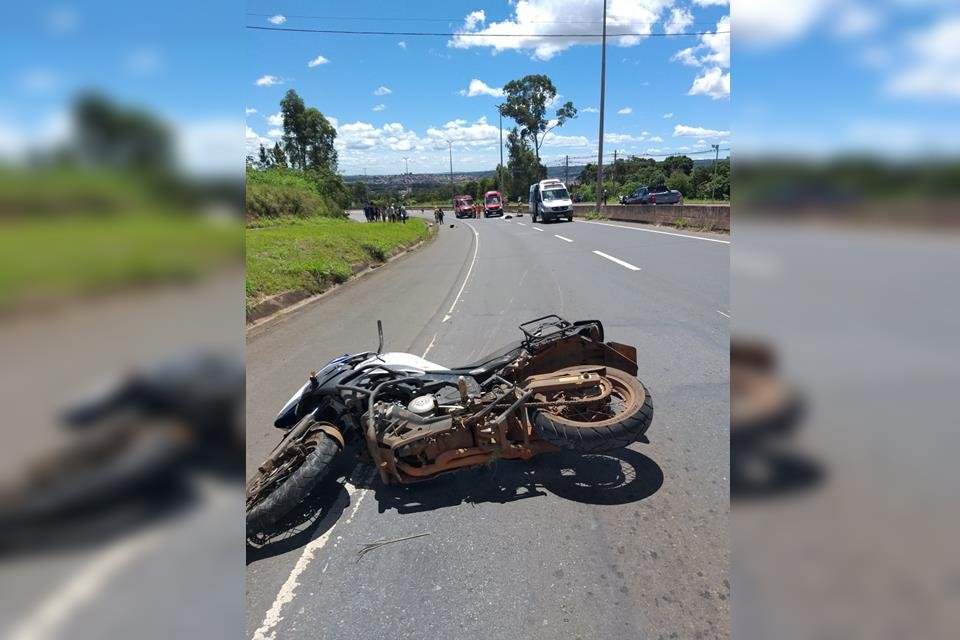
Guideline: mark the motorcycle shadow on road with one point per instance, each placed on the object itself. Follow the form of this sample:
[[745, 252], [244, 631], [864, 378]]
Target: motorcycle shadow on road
[[613, 478]]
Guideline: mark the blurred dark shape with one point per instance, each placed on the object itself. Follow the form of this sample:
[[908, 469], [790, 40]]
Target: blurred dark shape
[[133, 447], [108, 135], [765, 411], [851, 187]]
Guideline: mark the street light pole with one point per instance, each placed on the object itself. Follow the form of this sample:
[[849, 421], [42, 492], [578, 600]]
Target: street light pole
[[406, 165], [450, 143], [603, 82]]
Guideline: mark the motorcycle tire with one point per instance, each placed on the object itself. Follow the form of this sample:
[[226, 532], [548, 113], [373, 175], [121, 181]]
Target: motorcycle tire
[[295, 488], [627, 425]]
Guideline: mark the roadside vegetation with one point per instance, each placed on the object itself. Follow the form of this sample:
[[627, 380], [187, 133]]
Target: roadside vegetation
[[315, 253], [106, 210]]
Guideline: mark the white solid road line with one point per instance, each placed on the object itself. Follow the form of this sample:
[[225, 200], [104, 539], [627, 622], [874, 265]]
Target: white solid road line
[[538, 228], [289, 589], [476, 248], [562, 238], [430, 346], [725, 315], [666, 233], [617, 260]]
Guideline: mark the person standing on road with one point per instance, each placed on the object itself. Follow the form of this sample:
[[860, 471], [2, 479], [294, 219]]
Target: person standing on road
[[403, 214], [604, 197]]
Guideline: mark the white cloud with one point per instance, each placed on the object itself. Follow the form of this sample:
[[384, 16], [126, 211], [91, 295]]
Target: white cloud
[[656, 139], [555, 140], [931, 67], [276, 120], [62, 20], [679, 20], [363, 135], [480, 88], [668, 115], [274, 133], [855, 20], [254, 140], [40, 80], [653, 151], [382, 91], [589, 110], [712, 82], [250, 111], [534, 25], [268, 81], [462, 134], [316, 62], [143, 61], [380, 107], [711, 3], [18, 139], [620, 138], [277, 19], [686, 56], [764, 23], [682, 130], [402, 44], [210, 147], [625, 111]]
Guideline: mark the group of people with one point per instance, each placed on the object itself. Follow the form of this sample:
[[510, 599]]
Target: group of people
[[392, 213]]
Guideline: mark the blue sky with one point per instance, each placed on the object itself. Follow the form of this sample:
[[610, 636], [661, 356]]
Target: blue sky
[[396, 96], [180, 60], [831, 76]]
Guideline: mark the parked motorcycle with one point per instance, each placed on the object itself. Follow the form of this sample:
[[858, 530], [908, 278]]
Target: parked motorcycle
[[561, 386]]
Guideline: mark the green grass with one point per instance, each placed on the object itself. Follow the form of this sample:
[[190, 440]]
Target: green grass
[[52, 258], [315, 253]]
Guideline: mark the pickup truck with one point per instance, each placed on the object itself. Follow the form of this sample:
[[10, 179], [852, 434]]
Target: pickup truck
[[653, 195]]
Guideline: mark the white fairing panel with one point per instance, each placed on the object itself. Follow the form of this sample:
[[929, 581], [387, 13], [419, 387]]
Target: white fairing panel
[[405, 361]]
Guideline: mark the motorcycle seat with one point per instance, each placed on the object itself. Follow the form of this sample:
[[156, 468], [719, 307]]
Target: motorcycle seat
[[490, 363]]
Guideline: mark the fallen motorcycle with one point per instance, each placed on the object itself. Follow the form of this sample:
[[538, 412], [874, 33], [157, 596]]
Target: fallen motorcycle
[[561, 386]]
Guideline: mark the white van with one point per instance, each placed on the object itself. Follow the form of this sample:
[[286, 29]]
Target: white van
[[550, 200]]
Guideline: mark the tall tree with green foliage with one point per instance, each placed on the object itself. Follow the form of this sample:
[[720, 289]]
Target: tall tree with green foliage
[[678, 163], [109, 135], [307, 135], [524, 168], [526, 102], [279, 157]]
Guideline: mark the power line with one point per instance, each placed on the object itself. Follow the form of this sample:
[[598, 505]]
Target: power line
[[434, 19], [485, 35]]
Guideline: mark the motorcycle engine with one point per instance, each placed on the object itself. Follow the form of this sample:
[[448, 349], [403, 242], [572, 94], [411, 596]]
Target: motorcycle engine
[[423, 405]]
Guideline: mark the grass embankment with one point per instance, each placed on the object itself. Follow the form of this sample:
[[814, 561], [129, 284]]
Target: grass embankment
[[315, 253], [278, 193], [69, 232]]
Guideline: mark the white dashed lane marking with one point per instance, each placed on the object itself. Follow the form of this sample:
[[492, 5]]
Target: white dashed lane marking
[[562, 238], [617, 260]]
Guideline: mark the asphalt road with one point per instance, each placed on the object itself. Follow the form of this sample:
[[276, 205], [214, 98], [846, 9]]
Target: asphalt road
[[632, 545]]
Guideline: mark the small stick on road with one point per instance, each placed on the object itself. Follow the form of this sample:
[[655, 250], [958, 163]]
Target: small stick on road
[[370, 546]]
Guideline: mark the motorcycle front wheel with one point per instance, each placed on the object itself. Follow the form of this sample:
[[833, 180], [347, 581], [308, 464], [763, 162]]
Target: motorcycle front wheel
[[612, 423], [263, 511]]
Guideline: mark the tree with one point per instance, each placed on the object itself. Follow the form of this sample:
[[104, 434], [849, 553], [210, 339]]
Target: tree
[[360, 194], [263, 158], [681, 182], [678, 163], [526, 102], [523, 167], [307, 135], [279, 157], [112, 136]]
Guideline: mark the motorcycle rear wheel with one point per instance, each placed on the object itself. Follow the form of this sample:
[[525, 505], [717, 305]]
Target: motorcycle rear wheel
[[616, 422], [294, 489]]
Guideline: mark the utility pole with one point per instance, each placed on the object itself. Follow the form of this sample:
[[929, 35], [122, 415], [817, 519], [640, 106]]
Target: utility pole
[[566, 170], [614, 172], [603, 82], [713, 189], [500, 171]]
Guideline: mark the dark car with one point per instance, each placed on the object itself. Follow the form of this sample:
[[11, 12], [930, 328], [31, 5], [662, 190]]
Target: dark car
[[654, 195]]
